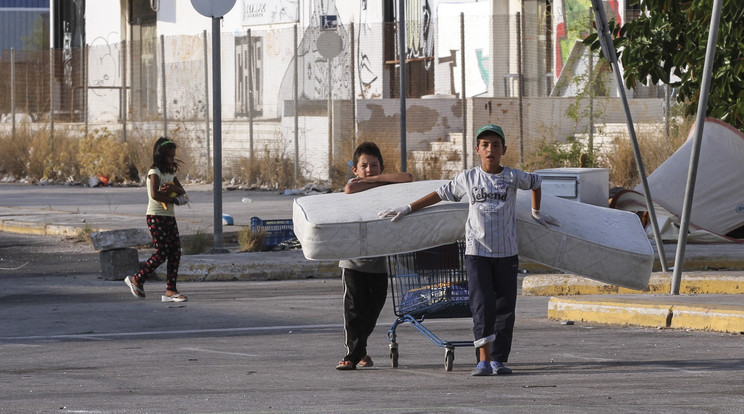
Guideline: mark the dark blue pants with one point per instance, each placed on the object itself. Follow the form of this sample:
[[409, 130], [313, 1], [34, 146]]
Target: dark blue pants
[[492, 288]]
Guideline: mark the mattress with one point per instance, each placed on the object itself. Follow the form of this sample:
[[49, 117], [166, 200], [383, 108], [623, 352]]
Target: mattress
[[603, 244], [599, 243], [346, 226]]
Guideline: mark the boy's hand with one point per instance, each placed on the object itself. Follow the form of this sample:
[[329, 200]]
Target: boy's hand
[[545, 219], [395, 213]]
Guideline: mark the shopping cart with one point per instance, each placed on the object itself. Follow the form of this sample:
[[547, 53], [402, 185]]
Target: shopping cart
[[429, 284]]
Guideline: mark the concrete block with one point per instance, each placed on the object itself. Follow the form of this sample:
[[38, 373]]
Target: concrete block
[[116, 264], [117, 239]]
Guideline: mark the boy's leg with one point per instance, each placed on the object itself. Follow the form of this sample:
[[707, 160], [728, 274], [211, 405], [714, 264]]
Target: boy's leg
[[355, 301], [377, 284], [505, 282], [480, 291]]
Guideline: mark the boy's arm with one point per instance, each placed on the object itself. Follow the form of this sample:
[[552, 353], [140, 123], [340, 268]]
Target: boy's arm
[[360, 184], [541, 218], [536, 198], [398, 213]]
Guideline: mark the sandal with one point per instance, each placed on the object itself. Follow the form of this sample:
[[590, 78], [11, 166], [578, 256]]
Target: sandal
[[177, 297], [137, 291], [366, 362], [345, 366]]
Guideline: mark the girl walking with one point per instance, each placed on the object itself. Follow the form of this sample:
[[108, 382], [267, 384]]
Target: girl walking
[[164, 192]]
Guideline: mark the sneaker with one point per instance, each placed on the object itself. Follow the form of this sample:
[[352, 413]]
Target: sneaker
[[482, 369], [345, 366], [499, 368], [366, 362]]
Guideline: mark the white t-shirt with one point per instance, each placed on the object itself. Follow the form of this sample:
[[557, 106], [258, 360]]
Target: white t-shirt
[[491, 228], [154, 208]]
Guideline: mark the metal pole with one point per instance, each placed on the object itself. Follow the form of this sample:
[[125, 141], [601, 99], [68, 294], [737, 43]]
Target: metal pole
[[463, 96], [608, 48], [330, 119], [352, 67], [402, 69], [590, 85], [250, 96], [667, 110], [86, 53], [51, 99], [123, 94], [710, 54], [217, 128], [12, 94], [206, 100], [520, 91], [296, 112], [162, 80]]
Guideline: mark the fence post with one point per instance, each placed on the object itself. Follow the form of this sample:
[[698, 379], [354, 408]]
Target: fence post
[[51, 99], [250, 95], [520, 91], [296, 115], [162, 79], [12, 94], [402, 76], [330, 118], [206, 100], [352, 67], [123, 94], [464, 97], [86, 53]]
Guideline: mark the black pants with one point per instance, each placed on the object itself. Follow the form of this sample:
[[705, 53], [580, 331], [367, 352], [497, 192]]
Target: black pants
[[364, 297], [165, 237], [492, 286]]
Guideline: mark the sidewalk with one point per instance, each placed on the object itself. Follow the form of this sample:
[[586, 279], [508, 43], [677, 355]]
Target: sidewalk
[[710, 290]]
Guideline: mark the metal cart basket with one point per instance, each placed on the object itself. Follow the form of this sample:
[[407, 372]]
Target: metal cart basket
[[429, 283]]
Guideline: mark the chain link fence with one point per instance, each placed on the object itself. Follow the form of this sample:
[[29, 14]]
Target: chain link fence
[[296, 101]]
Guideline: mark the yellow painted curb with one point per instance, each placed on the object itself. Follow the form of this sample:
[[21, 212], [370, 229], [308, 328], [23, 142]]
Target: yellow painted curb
[[698, 283], [62, 231], [616, 312], [701, 317], [22, 227], [718, 318]]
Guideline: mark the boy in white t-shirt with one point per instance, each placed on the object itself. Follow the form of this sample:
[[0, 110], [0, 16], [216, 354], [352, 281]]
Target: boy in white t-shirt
[[491, 258]]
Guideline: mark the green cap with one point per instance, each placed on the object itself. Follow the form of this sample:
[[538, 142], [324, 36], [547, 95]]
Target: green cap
[[493, 128]]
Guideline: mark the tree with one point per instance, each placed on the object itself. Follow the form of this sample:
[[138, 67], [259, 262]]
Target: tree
[[669, 39]]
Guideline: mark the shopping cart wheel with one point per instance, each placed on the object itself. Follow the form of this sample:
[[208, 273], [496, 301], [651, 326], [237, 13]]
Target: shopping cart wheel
[[394, 354], [449, 359]]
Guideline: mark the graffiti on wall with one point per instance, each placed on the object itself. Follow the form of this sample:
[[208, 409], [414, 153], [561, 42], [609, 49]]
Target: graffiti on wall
[[571, 20]]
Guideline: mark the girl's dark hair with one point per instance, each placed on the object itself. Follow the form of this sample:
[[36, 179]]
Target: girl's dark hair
[[368, 148], [158, 155]]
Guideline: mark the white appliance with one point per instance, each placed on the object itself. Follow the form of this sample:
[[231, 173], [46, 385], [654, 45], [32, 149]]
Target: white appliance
[[586, 185]]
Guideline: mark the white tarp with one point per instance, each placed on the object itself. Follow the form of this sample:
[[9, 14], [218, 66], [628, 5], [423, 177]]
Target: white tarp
[[718, 203]]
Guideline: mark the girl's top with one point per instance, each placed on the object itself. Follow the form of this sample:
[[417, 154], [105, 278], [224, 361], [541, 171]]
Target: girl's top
[[491, 228], [154, 208]]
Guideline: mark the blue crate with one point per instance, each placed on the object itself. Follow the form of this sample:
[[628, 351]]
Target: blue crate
[[277, 231]]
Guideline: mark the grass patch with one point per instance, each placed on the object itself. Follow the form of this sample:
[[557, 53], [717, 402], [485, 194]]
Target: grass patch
[[251, 241], [199, 242], [83, 235]]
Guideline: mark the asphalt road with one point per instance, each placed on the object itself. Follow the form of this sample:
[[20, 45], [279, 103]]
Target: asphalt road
[[73, 343]]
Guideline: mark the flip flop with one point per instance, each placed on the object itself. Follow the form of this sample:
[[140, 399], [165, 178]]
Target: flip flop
[[138, 292], [176, 298]]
